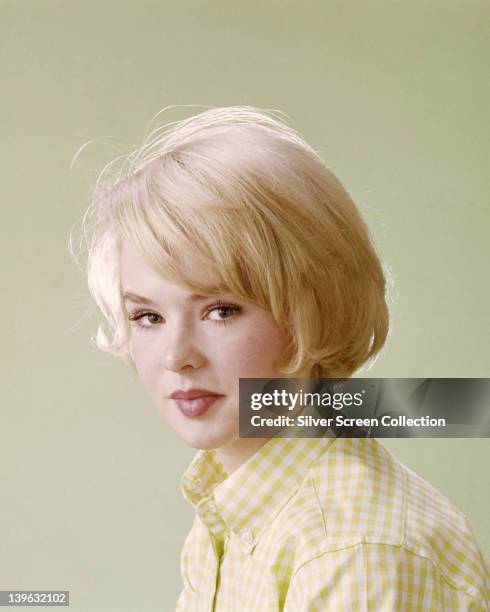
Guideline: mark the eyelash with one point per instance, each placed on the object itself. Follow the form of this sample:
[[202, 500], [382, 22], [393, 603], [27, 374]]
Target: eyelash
[[137, 315]]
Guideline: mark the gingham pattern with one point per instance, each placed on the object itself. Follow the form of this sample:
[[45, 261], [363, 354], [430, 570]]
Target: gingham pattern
[[325, 524]]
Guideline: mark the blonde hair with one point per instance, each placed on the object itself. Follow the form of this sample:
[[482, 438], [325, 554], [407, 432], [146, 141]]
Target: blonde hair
[[241, 192]]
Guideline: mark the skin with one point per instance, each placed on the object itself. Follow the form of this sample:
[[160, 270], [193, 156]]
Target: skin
[[182, 341]]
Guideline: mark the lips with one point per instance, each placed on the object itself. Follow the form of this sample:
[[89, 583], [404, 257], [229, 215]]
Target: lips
[[195, 402]]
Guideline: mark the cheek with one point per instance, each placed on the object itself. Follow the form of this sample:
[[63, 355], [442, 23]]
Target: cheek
[[257, 355]]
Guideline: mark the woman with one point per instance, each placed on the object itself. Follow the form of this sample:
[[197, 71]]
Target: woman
[[224, 248]]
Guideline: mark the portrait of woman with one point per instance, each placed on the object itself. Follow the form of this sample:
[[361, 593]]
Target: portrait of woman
[[198, 197], [224, 248]]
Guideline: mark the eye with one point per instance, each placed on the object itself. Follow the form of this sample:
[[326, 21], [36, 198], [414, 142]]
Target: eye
[[145, 319], [220, 313]]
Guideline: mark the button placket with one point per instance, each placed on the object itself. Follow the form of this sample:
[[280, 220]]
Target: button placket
[[247, 538]]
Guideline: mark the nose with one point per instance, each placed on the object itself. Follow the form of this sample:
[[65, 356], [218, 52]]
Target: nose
[[180, 349]]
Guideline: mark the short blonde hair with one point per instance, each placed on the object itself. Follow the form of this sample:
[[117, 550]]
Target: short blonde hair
[[240, 191]]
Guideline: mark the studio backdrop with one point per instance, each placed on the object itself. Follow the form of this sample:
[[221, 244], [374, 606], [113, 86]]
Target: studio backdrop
[[393, 95]]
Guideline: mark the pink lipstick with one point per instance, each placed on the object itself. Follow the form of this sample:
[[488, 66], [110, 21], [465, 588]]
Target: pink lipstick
[[195, 402]]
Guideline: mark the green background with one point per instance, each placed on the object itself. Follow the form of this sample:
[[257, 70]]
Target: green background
[[395, 97]]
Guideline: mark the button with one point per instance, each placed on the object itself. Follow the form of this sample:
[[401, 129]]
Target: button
[[247, 536], [212, 507]]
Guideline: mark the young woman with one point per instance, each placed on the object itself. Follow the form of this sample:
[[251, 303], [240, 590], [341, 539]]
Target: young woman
[[222, 249]]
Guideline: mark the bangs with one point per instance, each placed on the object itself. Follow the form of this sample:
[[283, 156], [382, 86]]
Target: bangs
[[176, 221]]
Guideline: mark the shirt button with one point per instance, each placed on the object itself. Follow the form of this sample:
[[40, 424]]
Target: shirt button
[[212, 507], [247, 536]]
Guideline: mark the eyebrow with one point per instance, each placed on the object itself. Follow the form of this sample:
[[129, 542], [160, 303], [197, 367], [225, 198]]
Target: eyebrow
[[134, 297]]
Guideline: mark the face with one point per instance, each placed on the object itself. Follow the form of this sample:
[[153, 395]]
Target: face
[[190, 350]]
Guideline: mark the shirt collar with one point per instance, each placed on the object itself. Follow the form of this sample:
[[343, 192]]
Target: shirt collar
[[249, 499]]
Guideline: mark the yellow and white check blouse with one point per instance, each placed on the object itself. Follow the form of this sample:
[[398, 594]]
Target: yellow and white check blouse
[[309, 525]]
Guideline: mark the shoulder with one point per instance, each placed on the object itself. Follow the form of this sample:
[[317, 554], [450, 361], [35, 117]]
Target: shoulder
[[358, 493], [370, 576]]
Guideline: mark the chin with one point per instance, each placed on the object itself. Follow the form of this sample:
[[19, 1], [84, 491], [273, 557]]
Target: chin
[[198, 444], [201, 446]]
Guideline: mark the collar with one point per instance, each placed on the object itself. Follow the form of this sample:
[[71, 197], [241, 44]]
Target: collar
[[249, 499]]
